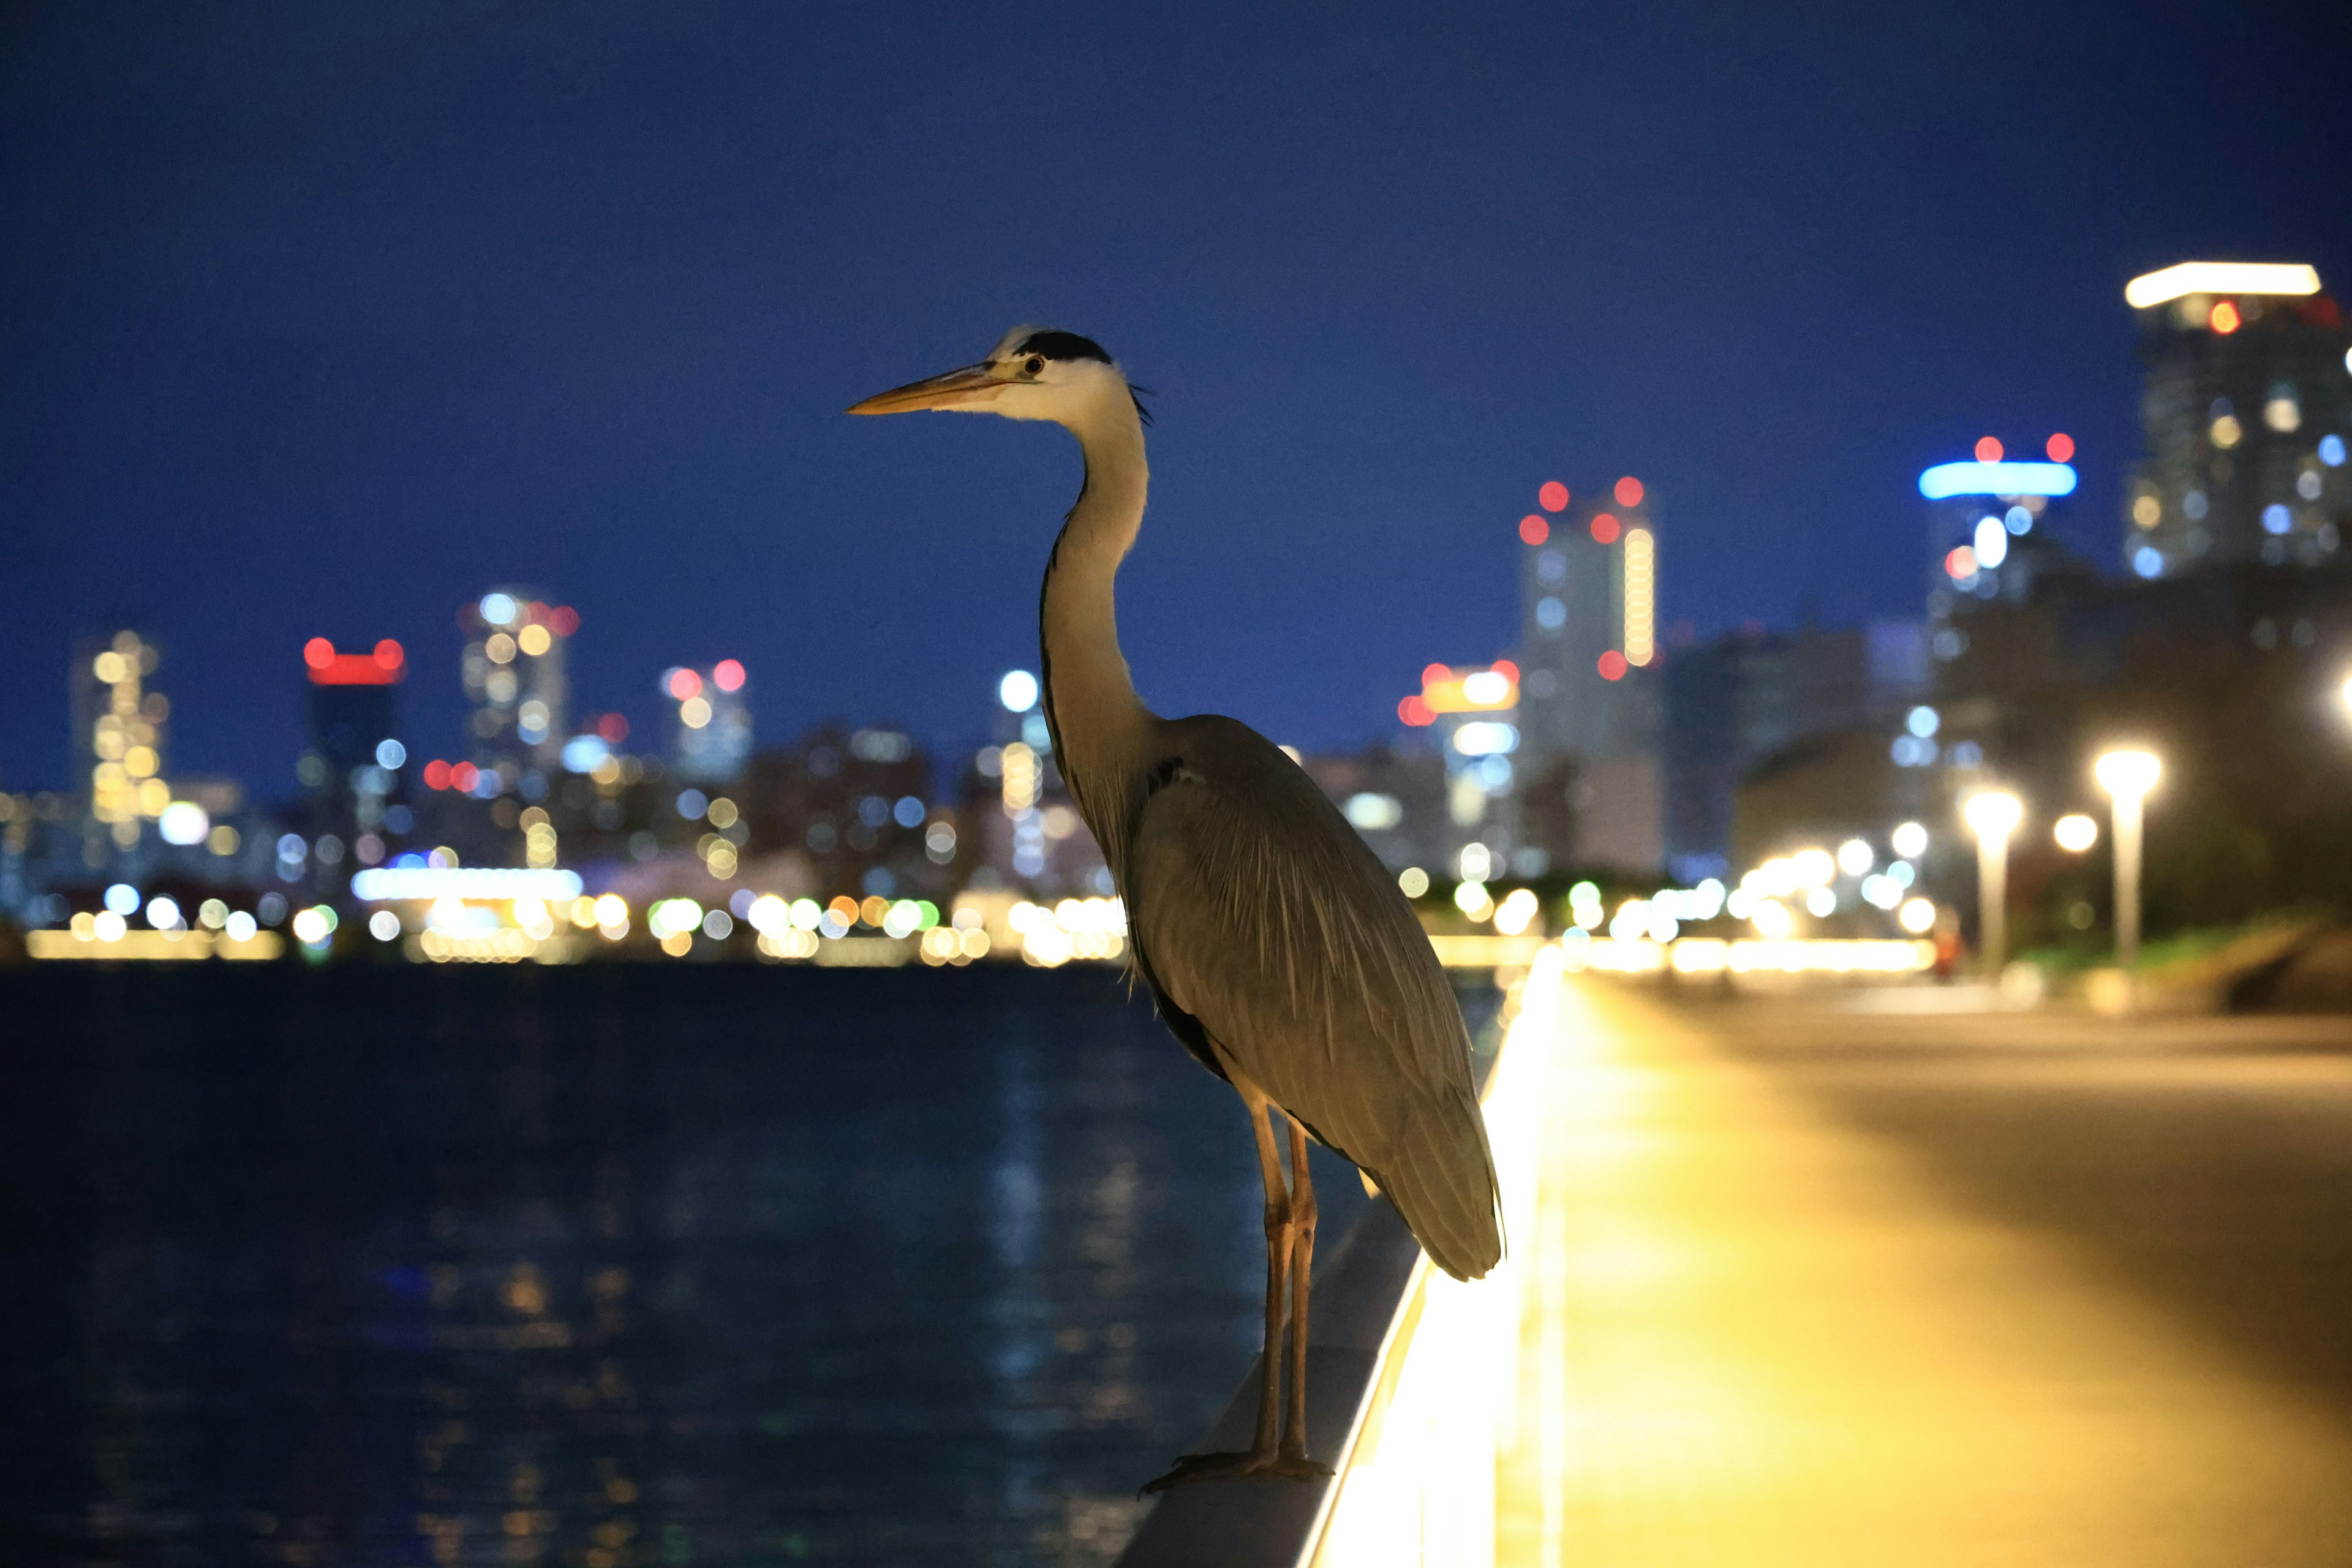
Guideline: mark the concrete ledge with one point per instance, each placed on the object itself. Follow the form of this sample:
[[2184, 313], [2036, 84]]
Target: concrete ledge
[[1359, 1293]]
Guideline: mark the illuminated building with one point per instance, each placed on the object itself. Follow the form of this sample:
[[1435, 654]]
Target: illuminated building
[[848, 806], [1473, 711], [514, 674], [353, 767], [1985, 534], [2245, 410], [1025, 831], [121, 723], [710, 721], [1589, 706]]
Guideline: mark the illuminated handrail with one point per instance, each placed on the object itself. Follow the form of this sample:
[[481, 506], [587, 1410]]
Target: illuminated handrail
[[1374, 1300]]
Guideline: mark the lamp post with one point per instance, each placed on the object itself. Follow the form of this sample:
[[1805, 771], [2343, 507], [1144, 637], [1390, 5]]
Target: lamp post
[[2126, 774], [1992, 816]]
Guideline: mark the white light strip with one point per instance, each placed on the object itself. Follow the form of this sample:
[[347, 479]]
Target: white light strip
[[2220, 277], [387, 883]]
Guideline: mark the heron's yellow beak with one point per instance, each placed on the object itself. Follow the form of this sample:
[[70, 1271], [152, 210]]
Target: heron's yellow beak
[[956, 389]]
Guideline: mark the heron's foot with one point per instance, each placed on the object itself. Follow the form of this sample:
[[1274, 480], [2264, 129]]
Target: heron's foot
[[1223, 1466]]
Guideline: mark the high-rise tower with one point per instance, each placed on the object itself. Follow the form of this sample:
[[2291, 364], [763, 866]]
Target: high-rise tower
[[2245, 410], [710, 721], [1589, 641], [514, 675], [118, 725]]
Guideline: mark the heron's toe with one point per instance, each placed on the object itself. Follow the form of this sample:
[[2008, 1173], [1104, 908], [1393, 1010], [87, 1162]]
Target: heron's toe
[[1225, 1466]]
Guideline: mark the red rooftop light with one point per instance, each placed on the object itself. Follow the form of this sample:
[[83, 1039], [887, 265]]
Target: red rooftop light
[[1508, 670], [436, 775], [2225, 318], [727, 675], [684, 684], [612, 728], [1432, 674], [564, 620], [1416, 712], [1533, 529], [1553, 497], [2060, 447], [328, 667], [1613, 666], [1629, 491], [1604, 528], [1988, 449]]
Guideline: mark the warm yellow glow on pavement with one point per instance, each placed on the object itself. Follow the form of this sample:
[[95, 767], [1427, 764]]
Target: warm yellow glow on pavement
[[1757, 1336], [1732, 1329]]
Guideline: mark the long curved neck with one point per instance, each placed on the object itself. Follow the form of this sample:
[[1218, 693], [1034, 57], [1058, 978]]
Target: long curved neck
[[1090, 699]]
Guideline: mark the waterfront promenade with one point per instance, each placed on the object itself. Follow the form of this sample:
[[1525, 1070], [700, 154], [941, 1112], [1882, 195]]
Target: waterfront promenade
[[1813, 1287], [1861, 1289], [1860, 1276]]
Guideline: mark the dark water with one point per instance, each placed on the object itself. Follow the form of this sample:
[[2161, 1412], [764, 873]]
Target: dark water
[[607, 1266]]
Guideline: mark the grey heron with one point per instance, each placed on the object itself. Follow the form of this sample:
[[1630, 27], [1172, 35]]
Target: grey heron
[[1276, 946]]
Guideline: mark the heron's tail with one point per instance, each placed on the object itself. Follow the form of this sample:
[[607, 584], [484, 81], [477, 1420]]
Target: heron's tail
[[1440, 1174]]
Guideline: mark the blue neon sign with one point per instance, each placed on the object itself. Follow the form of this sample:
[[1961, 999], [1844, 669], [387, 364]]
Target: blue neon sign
[[1947, 480]]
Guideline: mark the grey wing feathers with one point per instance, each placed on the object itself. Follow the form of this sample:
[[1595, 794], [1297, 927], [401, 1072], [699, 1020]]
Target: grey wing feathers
[[1258, 911]]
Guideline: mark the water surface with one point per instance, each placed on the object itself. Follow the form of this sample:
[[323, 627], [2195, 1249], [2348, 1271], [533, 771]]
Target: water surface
[[608, 1265]]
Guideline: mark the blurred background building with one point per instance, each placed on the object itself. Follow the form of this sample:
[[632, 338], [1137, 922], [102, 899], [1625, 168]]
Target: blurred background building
[[513, 668], [354, 806], [1589, 704], [710, 721], [2244, 409]]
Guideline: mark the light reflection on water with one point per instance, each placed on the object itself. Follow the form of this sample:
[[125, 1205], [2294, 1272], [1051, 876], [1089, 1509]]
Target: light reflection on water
[[609, 1267]]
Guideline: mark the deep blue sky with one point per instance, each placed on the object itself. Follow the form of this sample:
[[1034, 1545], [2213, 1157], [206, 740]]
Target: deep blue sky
[[320, 319]]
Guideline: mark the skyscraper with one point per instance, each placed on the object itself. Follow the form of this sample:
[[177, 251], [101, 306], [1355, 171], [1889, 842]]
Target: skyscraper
[[119, 726], [514, 675], [710, 721], [1589, 648], [1474, 714], [2245, 410], [1985, 532], [353, 766]]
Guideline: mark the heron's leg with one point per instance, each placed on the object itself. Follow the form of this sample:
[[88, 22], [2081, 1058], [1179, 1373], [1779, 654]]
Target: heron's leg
[[1281, 1230], [1302, 1268]]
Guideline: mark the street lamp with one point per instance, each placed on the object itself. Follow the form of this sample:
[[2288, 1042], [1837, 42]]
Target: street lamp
[[2075, 832], [1992, 816], [2127, 775]]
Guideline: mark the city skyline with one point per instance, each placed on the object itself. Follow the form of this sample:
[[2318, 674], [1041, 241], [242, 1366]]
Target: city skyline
[[274, 383]]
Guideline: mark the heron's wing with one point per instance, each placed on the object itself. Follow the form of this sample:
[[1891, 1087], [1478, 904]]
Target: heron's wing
[[1258, 911]]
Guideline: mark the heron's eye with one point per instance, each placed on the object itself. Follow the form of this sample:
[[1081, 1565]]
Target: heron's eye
[[1036, 365]]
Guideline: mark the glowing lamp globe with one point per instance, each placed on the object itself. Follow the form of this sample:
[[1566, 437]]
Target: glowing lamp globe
[[2127, 773], [1992, 813]]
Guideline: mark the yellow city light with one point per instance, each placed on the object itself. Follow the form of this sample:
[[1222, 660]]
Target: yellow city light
[[2220, 278], [1471, 691], [1641, 597]]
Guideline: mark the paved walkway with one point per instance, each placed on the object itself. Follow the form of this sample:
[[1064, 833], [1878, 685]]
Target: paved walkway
[[1758, 1335]]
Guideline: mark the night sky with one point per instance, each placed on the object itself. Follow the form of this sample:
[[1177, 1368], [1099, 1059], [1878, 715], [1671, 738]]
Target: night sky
[[323, 318]]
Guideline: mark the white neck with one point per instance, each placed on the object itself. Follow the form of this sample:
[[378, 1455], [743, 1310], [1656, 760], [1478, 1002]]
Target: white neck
[[1090, 699]]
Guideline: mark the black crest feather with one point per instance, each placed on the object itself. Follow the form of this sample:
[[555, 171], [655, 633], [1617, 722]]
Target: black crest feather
[[1056, 344]]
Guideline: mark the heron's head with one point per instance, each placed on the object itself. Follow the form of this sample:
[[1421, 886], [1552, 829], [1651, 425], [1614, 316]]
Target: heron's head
[[1033, 372]]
